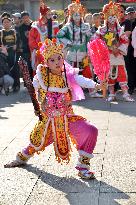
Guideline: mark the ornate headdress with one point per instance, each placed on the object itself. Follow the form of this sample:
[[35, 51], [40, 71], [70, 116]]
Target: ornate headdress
[[43, 8], [49, 48], [76, 7], [111, 9]]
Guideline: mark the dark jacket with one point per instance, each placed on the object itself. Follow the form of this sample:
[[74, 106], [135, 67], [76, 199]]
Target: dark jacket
[[4, 68]]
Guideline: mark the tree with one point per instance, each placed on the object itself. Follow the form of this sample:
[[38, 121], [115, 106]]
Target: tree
[[2, 1]]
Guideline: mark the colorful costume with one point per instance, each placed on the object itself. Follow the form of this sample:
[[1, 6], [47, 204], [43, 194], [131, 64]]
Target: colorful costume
[[60, 125], [75, 38], [114, 36], [41, 31]]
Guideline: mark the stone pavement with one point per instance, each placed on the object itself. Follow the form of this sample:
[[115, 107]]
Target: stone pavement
[[45, 182]]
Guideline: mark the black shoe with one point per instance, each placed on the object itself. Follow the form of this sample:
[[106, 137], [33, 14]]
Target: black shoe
[[0, 89], [130, 91], [7, 91]]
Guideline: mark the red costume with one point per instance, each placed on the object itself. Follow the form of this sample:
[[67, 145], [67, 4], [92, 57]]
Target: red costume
[[42, 29]]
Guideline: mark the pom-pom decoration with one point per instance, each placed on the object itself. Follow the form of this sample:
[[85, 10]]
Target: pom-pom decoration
[[100, 58]]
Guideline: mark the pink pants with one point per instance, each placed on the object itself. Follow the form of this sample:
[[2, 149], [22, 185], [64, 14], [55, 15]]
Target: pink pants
[[83, 132]]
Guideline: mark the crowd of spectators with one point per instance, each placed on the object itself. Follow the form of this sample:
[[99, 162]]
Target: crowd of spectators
[[14, 43]]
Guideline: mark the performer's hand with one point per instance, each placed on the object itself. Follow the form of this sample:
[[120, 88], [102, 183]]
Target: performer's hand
[[104, 86], [36, 112], [39, 114], [14, 47], [101, 86]]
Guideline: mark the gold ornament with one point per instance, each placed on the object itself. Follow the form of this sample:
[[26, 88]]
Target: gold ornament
[[50, 48], [76, 7], [111, 9]]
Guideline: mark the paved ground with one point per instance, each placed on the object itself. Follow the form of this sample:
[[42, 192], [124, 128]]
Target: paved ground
[[44, 182]]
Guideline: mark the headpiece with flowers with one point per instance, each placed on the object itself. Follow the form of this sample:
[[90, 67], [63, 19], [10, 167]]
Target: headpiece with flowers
[[49, 48], [111, 9], [76, 7]]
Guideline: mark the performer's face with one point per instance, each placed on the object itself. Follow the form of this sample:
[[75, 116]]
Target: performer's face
[[112, 19], [76, 17], [55, 63]]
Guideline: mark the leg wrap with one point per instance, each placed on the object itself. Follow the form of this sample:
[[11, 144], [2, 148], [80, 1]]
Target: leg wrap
[[83, 166], [111, 90], [25, 155], [124, 87], [84, 161]]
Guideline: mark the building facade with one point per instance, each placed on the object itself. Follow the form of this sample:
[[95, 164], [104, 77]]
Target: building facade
[[32, 6]]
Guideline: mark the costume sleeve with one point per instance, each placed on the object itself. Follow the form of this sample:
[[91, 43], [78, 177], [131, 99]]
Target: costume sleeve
[[33, 39], [84, 82], [63, 36], [123, 44], [40, 93], [134, 38], [134, 41], [0, 38], [36, 83]]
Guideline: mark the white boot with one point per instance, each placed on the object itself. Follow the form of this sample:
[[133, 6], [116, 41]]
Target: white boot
[[128, 98], [94, 94], [83, 167], [111, 98], [86, 174]]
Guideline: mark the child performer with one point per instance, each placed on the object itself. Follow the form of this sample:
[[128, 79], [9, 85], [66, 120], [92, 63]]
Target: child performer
[[56, 83]]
